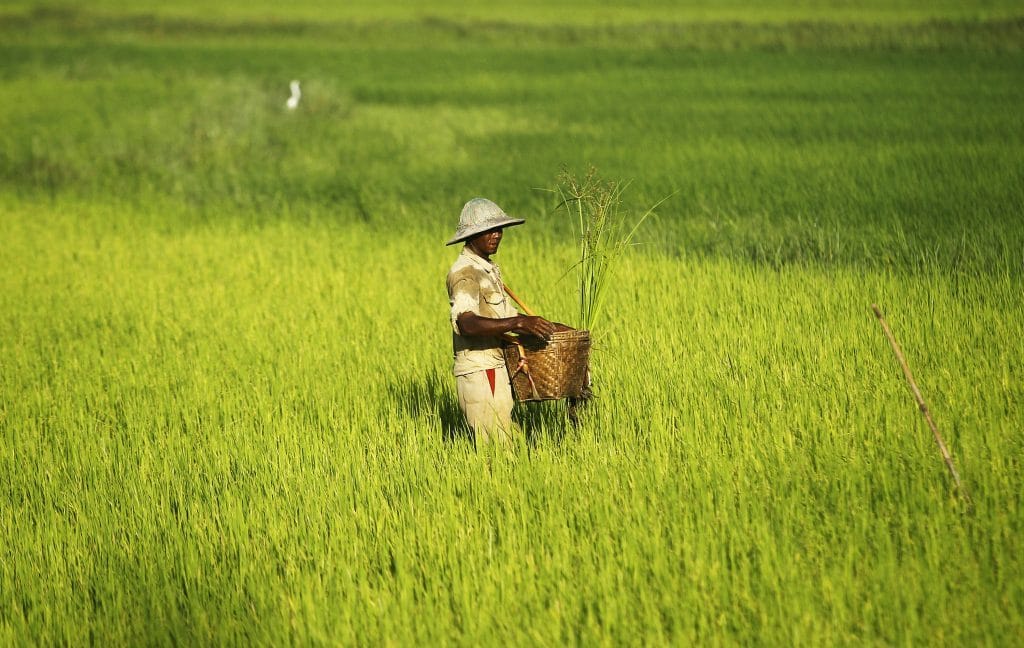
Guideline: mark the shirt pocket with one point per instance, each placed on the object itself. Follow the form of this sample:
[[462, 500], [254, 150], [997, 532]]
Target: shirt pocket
[[493, 304]]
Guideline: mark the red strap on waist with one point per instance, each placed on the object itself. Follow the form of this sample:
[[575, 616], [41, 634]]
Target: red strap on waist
[[490, 379]]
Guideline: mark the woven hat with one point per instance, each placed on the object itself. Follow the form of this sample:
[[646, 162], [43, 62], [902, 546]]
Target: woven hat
[[480, 215]]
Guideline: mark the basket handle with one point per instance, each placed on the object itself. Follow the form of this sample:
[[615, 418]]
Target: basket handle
[[525, 368]]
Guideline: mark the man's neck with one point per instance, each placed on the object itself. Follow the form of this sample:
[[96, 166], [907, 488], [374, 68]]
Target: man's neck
[[475, 252]]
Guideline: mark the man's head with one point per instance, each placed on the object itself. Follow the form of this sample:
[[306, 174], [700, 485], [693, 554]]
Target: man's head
[[481, 216], [485, 244]]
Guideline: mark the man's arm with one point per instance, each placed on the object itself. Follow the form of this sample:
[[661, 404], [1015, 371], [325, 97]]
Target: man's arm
[[473, 325]]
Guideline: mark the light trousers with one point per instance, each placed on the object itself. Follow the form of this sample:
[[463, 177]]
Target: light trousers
[[486, 400]]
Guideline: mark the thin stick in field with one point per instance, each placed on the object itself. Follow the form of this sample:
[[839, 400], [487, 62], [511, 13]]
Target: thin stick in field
[[920, 402]]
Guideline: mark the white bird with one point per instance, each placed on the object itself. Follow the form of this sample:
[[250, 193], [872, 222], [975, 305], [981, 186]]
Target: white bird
[[293, 101]]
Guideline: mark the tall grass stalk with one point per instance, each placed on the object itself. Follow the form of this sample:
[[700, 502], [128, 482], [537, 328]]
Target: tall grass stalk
[[604, 234]]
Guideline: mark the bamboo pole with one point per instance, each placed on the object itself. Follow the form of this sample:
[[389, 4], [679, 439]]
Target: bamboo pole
[[946, 457], [526, 309]]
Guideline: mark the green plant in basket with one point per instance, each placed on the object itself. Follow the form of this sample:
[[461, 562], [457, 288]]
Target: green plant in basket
[[605, 230], [560, 366]]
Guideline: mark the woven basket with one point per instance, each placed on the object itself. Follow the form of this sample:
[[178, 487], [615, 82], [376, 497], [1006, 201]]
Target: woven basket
[[554, 369]]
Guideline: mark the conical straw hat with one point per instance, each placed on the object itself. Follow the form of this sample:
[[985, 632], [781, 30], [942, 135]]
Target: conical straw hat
[[480, 215]]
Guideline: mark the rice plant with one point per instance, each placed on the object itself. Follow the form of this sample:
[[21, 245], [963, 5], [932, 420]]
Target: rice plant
[[604, 231]]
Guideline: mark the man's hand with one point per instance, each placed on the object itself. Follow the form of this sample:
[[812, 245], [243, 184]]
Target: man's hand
[[535, 326]]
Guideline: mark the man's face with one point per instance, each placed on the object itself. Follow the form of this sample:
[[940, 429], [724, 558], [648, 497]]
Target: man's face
[[487, 243]]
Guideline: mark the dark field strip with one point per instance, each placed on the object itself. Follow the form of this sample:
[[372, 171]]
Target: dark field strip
[[426, 31], [881, 157]]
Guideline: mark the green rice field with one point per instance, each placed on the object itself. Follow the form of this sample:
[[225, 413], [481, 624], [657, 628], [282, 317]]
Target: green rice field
[[227, 414]]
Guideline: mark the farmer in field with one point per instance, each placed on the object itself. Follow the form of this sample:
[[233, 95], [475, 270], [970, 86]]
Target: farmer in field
[[480, 315]]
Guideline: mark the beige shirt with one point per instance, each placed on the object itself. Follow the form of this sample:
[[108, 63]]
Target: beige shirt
[[474, 286]]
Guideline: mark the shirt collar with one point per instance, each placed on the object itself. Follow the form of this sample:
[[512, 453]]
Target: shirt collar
[[477, 260]]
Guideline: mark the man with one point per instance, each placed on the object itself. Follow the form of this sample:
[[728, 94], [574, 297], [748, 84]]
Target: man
[[480, 314]]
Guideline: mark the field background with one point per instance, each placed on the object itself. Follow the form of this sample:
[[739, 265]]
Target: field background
[[226, 409]]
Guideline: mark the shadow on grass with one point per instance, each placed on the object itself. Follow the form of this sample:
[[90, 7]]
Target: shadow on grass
[[431, 396], [542, 421]]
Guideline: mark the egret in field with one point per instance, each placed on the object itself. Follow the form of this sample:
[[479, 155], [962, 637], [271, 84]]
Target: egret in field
[[293, 101]]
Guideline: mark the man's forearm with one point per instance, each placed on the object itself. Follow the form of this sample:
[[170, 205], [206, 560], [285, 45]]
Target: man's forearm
[[473, 325]]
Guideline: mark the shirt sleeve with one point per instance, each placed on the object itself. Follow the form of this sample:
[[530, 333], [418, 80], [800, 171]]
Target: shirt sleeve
[[465, 299]]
